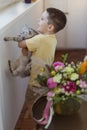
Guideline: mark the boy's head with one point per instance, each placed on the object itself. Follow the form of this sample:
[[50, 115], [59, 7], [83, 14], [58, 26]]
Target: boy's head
[[52, 21]]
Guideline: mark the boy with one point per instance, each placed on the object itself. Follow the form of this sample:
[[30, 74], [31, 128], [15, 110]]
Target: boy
[[42, 47]]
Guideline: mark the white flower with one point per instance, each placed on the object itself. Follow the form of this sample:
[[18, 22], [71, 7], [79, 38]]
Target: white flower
[[77, 82], [57, 78], [68, 69], [74, 76], [66, 93]]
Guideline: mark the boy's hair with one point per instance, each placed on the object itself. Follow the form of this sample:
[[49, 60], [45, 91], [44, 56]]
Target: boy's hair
[[57, 18]]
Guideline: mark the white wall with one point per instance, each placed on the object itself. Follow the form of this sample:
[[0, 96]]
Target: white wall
[[77, 20], [1, 122], [12, 89]]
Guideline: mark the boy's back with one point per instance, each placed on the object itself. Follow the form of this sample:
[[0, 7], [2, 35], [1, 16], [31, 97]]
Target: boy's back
[[43, 51]]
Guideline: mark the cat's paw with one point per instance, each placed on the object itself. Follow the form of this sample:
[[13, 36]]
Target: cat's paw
[[10, 67], [13, 70]]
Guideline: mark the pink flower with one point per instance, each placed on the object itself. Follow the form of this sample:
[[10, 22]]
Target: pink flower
[[69, 87], [50, 94], [57, 65], [51, 83], [83, 84]]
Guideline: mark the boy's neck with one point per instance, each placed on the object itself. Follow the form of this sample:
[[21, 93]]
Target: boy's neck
[[47, 33]]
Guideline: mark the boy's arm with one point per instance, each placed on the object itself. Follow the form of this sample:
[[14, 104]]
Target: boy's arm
[[25, 51], [22, 44]]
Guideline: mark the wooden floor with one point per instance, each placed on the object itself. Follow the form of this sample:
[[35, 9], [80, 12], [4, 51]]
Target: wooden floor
[[24, 123]]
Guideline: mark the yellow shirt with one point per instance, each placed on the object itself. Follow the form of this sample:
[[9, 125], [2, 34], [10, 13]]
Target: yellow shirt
[[43, 50]]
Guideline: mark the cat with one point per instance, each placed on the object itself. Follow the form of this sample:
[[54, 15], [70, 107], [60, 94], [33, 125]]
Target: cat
[[22, 65]]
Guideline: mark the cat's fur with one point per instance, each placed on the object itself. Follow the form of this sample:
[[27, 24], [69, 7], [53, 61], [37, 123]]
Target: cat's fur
[[22, 65]]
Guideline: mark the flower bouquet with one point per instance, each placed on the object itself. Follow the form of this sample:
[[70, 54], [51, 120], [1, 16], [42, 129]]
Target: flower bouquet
[[67, 84]]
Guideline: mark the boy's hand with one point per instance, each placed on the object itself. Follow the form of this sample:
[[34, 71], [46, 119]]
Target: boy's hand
[[22, 44], [25, 51]]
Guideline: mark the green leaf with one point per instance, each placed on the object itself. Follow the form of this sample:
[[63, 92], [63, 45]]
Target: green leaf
[[64, 57], [56, 100], [41, 79], [84, 76]]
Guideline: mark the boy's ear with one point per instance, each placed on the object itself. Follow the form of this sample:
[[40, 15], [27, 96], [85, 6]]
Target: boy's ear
[[51, 28]]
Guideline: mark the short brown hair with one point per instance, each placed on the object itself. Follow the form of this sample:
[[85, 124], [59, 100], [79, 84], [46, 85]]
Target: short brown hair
[[57, 18]]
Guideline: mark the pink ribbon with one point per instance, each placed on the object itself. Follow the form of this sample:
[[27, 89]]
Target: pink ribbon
[[46, 114]]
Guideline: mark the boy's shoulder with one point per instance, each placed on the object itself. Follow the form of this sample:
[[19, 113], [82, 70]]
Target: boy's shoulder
[[45, 35], [42, 37]]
